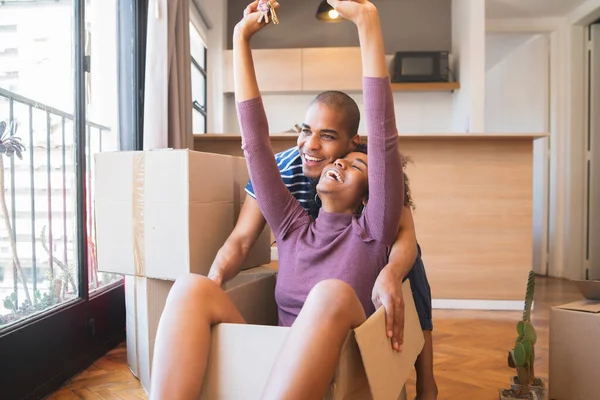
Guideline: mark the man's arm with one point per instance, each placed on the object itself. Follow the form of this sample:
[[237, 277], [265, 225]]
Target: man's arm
[[404, 250], [388, 287], [231, 256]]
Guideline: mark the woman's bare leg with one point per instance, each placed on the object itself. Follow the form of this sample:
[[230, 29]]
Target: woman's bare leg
[[309, 356], [194, 305]]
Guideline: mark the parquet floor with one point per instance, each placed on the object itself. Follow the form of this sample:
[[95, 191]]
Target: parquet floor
[[470, 349]]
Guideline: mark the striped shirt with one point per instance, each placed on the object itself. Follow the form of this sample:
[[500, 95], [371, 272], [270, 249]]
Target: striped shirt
[[290, 169]]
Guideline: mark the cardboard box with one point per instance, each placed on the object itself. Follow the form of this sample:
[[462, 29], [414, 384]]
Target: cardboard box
[[574, 352], [145, 300], [163, 213], [241, 356]]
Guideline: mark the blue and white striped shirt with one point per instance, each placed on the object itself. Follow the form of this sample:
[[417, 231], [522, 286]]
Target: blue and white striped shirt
[[290, 169]]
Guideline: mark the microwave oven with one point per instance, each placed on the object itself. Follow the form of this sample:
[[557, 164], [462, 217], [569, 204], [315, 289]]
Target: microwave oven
[[421, 66]]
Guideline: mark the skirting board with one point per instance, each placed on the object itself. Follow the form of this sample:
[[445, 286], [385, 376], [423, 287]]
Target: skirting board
[[488, 305]]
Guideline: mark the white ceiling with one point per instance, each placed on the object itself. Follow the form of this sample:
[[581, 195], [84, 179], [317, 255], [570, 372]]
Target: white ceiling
[[529, 8]]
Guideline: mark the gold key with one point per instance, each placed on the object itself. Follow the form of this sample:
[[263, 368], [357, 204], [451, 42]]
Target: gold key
[[273, 13]]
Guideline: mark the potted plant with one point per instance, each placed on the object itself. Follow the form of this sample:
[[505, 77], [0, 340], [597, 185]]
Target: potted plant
[[10, 145], [522, 357]]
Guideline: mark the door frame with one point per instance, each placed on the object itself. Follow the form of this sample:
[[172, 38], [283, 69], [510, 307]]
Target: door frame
[[592, 159]]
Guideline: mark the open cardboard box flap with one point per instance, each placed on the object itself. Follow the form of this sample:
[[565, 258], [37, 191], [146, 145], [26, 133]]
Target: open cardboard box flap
[[591, 291], [590, 306], [241, 356]]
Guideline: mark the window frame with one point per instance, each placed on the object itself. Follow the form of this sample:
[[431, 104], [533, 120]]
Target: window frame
[[43, 351], [195, 104]]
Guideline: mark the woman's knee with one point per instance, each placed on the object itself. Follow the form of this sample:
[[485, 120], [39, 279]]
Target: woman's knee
[[336, 298], [193, 287]]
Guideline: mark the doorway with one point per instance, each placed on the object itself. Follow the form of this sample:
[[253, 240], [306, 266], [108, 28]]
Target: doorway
[[592, 198]]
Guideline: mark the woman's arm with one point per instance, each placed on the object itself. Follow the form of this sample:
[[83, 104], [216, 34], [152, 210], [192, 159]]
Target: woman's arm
[[386, 184], [276, 203]]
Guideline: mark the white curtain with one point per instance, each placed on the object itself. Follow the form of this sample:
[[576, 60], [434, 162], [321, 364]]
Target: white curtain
[[168, 93]]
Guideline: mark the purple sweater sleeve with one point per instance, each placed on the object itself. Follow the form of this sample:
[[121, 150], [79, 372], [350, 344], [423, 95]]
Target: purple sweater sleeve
[[386, 184], [279, 207]]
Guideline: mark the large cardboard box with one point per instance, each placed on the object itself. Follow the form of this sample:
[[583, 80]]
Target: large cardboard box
[[574, 352], [162, 213], [145, 300], [241, 356]]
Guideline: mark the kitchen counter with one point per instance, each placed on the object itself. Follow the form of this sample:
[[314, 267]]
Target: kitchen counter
[[474, 210]]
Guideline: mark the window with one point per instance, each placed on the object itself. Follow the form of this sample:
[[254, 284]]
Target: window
[[71, 87], [198, 65]]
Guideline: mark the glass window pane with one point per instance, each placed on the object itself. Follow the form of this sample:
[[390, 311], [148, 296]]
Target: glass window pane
[[197, 46], [198, 122], [102, 125], [198, 87], [38, 232]]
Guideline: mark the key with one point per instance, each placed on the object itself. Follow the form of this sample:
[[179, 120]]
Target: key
[[264, 8], [273, 13]]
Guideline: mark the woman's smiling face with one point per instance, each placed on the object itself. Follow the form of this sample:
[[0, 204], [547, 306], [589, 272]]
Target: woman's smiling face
[[344, 183]]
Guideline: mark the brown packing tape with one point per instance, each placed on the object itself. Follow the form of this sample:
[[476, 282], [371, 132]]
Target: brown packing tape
[[137, 196]]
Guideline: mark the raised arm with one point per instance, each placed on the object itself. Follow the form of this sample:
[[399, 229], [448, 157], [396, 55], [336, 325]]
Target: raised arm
[[386, 186], [276, 203]]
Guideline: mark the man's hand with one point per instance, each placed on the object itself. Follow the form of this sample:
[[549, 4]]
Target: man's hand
[[388, 292], [249, 24], [352, 10]]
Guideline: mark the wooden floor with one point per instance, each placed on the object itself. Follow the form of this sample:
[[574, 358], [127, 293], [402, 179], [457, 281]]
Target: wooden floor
[[470, 349]]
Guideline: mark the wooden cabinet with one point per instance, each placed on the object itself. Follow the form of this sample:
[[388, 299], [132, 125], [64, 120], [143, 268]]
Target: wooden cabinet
[[276, 70], [314, 70], [337, 68]]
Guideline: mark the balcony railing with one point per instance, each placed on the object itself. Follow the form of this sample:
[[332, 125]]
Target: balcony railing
[[38, 252]]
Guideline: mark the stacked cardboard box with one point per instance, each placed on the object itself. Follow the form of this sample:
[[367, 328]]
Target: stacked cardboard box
[[574, 351], [161, 214]]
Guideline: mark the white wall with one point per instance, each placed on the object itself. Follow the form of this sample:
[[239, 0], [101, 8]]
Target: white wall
[[517, 100], [468, 50]]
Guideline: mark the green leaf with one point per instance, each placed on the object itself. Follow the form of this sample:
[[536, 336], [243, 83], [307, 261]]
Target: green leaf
[[530, 333], [528, 349], [521, 328], [9, 304], [520, 355]]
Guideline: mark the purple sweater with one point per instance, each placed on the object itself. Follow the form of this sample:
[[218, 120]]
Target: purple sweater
[[350, 248]]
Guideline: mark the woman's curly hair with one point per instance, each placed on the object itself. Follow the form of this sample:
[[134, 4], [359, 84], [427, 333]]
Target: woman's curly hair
[[408, 200]]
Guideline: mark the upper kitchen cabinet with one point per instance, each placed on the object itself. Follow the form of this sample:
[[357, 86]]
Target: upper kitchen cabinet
[[333, 68], [315, 70], [276, 70]]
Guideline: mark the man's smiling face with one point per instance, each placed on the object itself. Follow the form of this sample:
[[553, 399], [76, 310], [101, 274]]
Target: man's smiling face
[[323, 139]]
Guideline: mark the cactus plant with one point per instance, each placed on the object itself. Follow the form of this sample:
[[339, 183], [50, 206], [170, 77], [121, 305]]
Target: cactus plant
[[522, 356]]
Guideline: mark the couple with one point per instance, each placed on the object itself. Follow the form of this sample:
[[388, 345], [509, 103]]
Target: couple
[[334, 269]]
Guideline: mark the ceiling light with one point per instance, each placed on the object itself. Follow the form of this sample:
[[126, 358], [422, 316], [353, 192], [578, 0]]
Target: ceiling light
[[326, 13]]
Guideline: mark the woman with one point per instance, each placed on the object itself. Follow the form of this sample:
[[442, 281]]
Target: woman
[[349, 242]]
